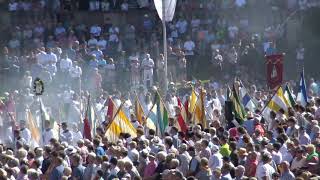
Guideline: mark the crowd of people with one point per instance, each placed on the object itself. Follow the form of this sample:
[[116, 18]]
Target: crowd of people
[[82, 64]]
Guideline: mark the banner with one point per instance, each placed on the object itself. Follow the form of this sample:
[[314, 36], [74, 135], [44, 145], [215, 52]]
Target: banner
[[274, 70], [170, 6]]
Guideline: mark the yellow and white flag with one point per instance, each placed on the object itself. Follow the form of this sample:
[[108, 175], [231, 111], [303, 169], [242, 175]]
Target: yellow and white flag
[[120, 124], [278, 101]]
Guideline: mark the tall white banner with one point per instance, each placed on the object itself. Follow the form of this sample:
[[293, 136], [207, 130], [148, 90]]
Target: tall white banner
[[170, 6]]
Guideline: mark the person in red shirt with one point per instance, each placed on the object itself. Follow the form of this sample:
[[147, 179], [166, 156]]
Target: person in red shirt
[[258, 126], [251, 164]]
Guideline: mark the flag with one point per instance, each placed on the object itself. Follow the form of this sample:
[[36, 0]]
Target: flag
[[199, 112], [169, 9], [237, 106], [246, 98], [289, 97], [35, 132], [151, 119], [186, 109], [112, 109], [46, 117], [182, 117], [277, 102], [120, 124], [163, 117], [192, 101], [89, 122], [302, 95], [158, 116], [274, 70], [138, 110]]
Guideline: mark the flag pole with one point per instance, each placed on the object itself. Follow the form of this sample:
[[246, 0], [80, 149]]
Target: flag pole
[[165, 49]]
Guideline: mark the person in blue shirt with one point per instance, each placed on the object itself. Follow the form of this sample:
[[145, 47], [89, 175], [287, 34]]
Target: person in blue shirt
[[57, 172], [249, 123], [102, 62], [98, 149], [271, 50], [93, 61]]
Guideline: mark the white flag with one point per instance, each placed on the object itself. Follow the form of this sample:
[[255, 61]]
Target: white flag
[[170, 6]]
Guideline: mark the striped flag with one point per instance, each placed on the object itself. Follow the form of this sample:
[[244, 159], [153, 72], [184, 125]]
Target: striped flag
[[246, 98], [199, 112], [186, 107], [277, 102], [289, 96], [182, 117], [138, 110], [238, 109], [158, 116], [89, 124], [120, 124], [35, 132], [112, 109], [302, 97], [151, 119]]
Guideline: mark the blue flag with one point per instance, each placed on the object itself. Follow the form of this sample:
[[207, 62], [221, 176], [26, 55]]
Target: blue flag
[[302, 95]]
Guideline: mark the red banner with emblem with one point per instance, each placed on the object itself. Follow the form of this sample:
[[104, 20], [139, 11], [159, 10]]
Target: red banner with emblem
[[274, 70]]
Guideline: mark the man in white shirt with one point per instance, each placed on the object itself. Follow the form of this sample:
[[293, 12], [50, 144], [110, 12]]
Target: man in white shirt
[[189, 47], [102, 43], [215, 160], [92, 41], [182, 25], [233, 31], [41, 56], [240, 3], [95, 30], [25, 132], [75, 73], [51, 60], [264, 169], [147, 65], [66, 135], [48, 133], [65, 64]]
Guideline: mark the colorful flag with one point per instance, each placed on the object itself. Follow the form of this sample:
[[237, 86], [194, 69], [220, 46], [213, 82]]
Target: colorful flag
[[192, 101], [289, 96], [302, 97], [89, 124], [182, 117], [158, 116], [237, 106], [35, 132], [112, 109], [199, 112], [274, 70], [120, 124], [246, 98], [186, 109], [152, 119], [277, 102], [138, 110]]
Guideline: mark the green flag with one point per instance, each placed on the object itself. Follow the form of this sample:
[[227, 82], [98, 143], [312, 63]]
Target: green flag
[[238, 109], [162, 114], [288, 96]]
